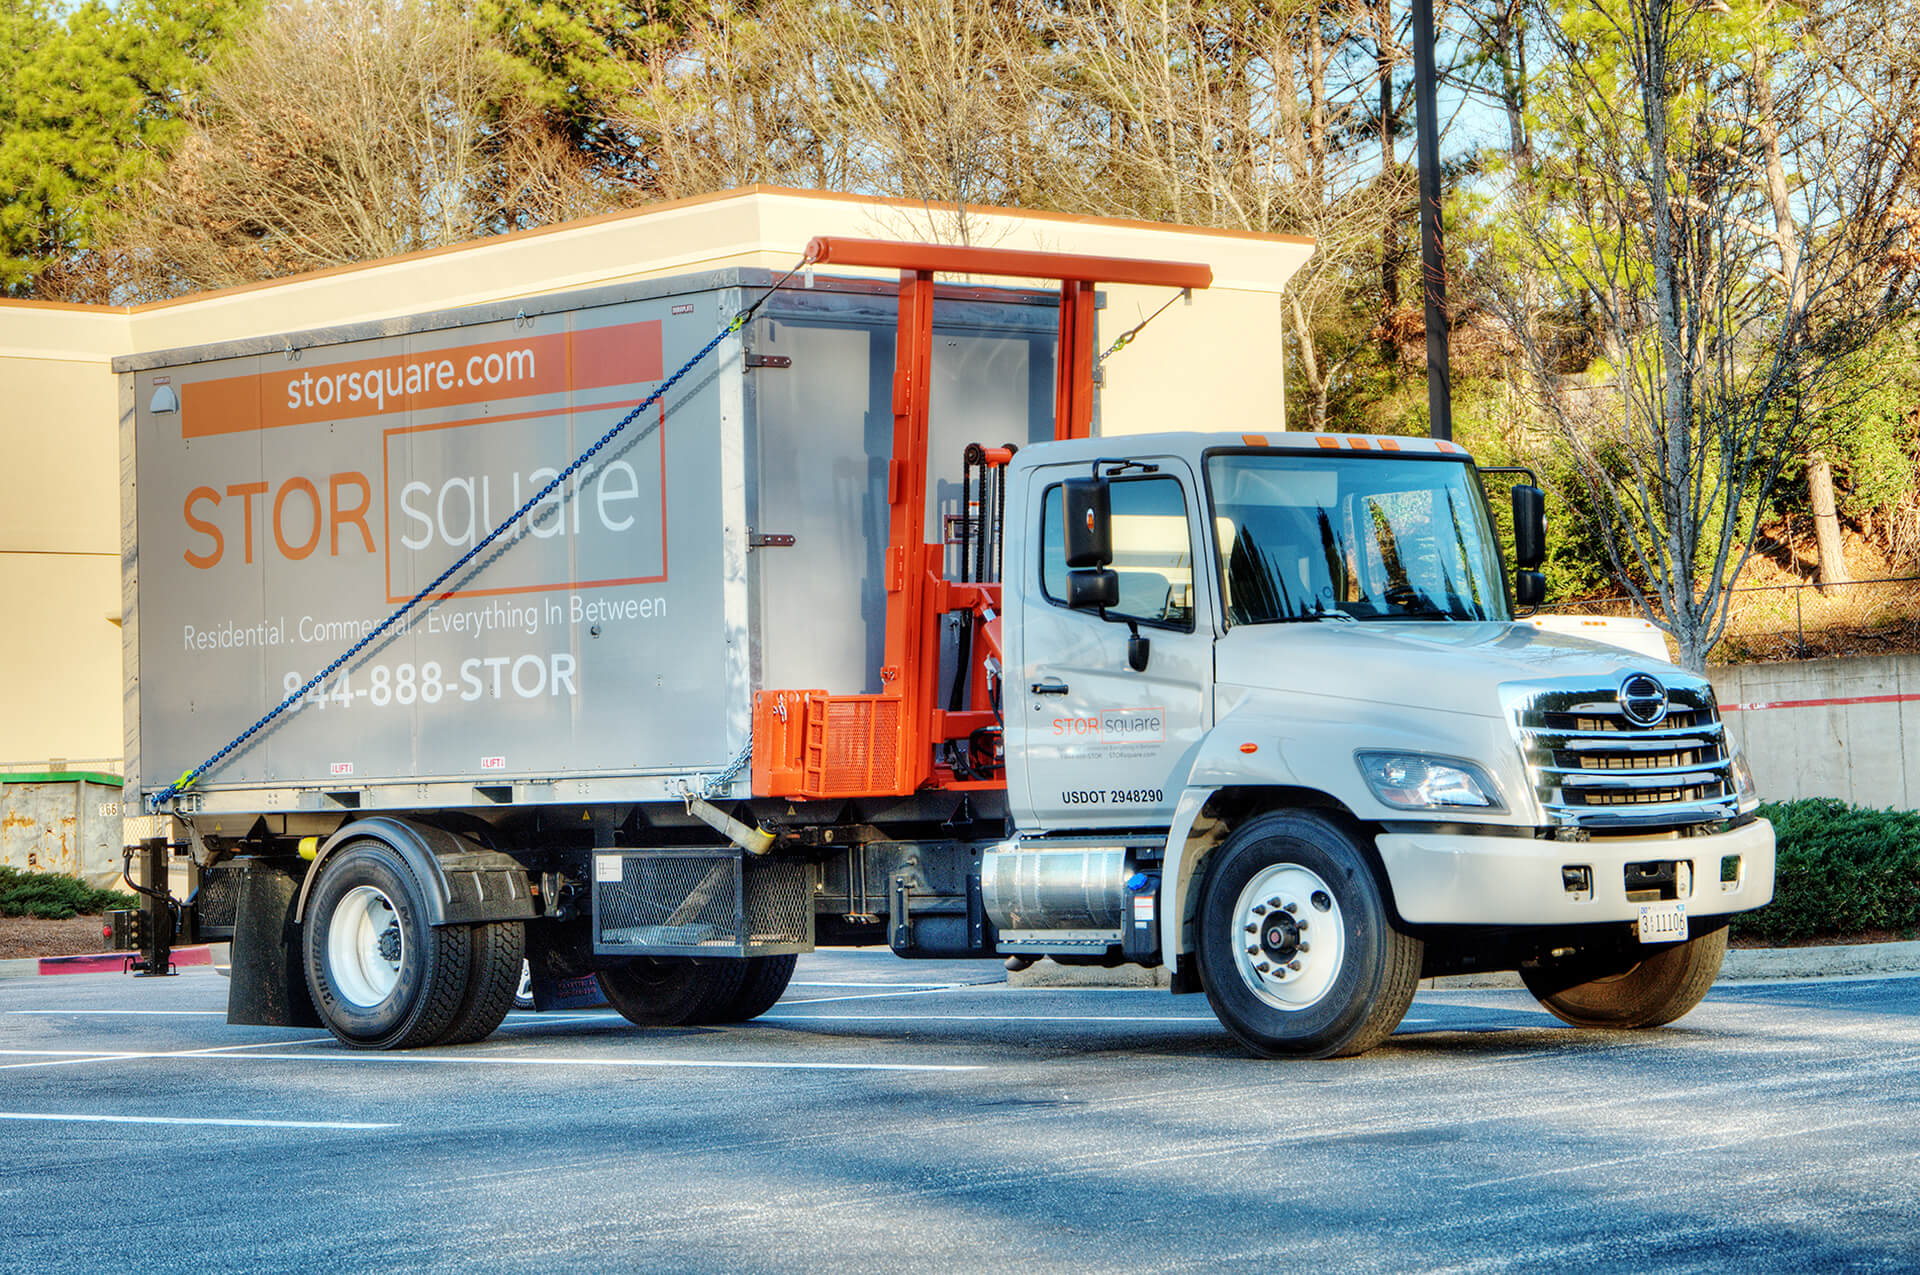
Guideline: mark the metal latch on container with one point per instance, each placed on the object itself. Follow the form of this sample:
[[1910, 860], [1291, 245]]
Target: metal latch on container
[[768, 540], [768, 360]]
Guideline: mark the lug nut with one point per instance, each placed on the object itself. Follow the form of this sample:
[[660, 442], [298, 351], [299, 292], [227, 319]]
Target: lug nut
[[1293, 965], [1293, 907], [1304, 948]]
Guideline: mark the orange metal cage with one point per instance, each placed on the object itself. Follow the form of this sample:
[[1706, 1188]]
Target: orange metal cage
[[811, 744]]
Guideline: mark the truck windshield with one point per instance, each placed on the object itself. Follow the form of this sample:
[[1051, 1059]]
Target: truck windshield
[[1361, 537]]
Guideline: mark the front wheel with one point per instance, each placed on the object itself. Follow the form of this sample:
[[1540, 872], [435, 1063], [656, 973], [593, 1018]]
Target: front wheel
[[381, 977], [1297, 952], [1619, 992]]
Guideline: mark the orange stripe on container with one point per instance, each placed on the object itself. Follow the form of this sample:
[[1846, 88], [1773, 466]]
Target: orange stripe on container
[[594, 358]]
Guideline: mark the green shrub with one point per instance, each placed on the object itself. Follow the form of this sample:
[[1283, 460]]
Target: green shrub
[[1841, 871], [54, 898]]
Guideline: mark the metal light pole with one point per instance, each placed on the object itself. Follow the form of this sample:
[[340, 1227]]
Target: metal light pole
[[1433, 268]]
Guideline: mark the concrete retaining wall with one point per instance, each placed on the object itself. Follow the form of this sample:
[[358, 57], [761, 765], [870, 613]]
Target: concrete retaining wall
[[1828, 728]]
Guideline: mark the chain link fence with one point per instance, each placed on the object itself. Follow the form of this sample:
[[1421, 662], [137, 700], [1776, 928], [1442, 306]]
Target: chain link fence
[[1804, 620]]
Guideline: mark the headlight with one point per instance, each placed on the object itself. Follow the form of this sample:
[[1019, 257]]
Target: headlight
[[1414, 781], [1743, 789]]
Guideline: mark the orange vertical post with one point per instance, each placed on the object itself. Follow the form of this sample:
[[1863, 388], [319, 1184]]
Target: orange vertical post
[[906, 672], [1073, 375]]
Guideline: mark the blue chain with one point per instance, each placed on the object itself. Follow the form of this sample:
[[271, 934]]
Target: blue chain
[[187, 778]]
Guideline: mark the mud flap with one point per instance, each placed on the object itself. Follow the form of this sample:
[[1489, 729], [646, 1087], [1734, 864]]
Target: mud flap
[[561, 955], [269, 975]]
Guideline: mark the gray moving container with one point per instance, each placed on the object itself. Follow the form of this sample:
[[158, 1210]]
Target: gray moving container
[[287, 494]]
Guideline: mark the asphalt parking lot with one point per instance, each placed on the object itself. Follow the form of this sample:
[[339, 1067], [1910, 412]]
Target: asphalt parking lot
[[896, 1116]]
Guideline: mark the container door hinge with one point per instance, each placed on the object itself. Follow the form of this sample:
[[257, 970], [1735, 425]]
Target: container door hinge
[[768, 360], [768, 540]]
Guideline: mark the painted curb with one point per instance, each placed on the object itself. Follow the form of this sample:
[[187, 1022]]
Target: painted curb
[[105, 962]]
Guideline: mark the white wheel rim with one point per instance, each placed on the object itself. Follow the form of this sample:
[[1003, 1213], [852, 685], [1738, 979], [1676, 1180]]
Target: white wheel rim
[[1289, 938], [360, 970]]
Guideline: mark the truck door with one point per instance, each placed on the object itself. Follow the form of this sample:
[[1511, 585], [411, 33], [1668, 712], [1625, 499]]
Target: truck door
[[1091, 742]]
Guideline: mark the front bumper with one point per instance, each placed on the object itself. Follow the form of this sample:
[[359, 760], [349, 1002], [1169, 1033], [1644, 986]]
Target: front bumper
[[1451, 879]]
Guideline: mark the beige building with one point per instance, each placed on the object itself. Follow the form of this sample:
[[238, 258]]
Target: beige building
[[1213, 363]]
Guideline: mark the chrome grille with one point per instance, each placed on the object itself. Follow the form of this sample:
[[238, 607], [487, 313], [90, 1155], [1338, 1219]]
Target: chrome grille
[[1593, 766]]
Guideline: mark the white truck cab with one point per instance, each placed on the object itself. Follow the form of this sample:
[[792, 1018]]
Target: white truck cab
[[1297, 656]]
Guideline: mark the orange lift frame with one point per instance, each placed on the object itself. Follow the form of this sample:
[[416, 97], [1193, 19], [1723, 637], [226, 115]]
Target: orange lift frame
[[812, 744]]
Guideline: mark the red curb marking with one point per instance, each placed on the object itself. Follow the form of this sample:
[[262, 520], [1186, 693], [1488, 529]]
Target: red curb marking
[[114, 962], [1818, 703]]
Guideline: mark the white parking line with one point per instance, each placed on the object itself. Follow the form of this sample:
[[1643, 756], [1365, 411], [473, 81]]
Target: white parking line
[[490, 1060], [978, 1018], [108, 1013], [876, 996], [1003, 1018], [201, 1120], [881, 983], [73, 1057], [531, 1018]]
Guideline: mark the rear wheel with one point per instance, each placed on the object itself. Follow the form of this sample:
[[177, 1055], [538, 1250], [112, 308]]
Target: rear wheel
[[763, 982], [493, 975], [1615, 990], [1297, 952], [667, 991], [381, 977]]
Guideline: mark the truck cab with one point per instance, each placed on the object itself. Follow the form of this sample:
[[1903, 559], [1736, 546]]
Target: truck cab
[[1290, 665]]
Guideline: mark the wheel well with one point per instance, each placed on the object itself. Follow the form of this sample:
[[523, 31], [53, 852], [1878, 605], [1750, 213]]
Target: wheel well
[[1231, 807], [463, 883]]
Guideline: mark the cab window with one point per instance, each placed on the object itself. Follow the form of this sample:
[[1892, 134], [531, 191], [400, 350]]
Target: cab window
[[1152, 551]]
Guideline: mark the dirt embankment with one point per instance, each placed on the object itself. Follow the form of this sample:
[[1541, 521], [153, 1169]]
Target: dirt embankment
[[30, 936]]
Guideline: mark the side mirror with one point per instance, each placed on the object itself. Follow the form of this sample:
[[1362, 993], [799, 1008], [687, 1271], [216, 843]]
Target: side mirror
[[1529, 588], [1093, 588], [1529, 526], [1089, 522]]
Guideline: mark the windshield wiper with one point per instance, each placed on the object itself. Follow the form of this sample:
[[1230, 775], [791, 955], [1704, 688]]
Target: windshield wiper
[[1302, 616]]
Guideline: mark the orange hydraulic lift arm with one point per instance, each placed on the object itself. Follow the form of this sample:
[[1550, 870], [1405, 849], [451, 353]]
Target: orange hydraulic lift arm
[[810, 744]]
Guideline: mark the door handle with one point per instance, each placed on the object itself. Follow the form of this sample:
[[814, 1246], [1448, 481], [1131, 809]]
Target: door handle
[[1052, 686]]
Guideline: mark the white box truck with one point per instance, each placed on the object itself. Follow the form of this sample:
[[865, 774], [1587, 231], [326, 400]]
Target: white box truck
[[856, 632]]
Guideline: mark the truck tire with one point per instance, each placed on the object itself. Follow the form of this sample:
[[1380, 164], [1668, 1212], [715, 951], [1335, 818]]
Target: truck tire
[[493, 976], [763, 982], [1651, 992], [667, 991], [381, 977], [1297, 952]]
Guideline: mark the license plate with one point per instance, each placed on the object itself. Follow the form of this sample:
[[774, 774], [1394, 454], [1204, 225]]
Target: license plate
[[1663, 922]]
